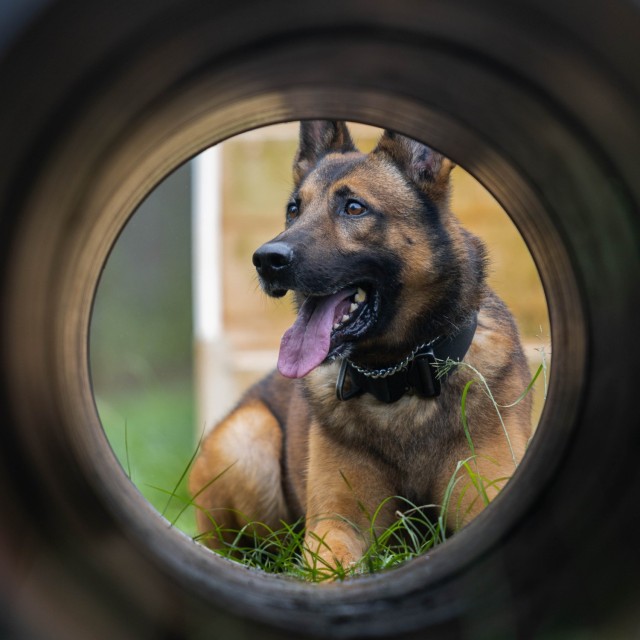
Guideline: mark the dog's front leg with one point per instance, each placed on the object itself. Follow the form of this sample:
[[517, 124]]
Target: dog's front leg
[[344, 490]]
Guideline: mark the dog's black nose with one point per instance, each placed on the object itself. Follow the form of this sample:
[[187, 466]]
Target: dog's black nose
[[273, 257]]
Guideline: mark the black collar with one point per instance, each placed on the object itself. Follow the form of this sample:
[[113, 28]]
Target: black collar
[[417, 373]]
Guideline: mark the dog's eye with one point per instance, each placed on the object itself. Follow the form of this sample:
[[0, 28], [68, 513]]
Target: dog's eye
[[292, 210], [354, 208]]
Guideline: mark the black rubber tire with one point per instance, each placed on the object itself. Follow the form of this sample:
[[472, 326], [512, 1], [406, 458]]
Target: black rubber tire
[[101, 99]]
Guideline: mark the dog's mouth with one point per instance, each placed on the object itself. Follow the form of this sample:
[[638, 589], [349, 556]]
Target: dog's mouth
[[324, 327]]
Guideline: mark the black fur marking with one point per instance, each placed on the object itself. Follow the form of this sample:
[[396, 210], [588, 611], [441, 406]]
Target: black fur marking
[[262, 391], [344, 193], [429, 211], [330, 170]]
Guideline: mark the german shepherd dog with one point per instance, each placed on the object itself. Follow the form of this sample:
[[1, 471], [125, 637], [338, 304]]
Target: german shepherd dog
[[387, 285]]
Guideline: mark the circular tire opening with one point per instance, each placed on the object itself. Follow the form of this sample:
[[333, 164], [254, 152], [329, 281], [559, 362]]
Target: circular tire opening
[[143, 347]]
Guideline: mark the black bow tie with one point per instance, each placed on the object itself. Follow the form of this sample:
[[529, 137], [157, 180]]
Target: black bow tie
[[417, 373]]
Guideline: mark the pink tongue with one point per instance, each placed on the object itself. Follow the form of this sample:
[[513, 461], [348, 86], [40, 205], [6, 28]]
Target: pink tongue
[[306, 344]]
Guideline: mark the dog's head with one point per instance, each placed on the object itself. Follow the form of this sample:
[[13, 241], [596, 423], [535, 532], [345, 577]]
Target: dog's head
[[374, 256]]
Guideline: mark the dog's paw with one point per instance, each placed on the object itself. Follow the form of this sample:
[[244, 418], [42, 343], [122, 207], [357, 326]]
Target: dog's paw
[[333, 555]]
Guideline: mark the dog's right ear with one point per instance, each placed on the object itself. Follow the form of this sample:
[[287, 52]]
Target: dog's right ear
[[427, 168], [317, 138]]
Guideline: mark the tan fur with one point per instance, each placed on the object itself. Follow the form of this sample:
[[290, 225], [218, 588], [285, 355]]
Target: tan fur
[[291, 449], [242, 452], [338, 480]]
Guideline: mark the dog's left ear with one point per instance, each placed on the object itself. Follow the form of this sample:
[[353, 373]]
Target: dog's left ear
[[317, 138], [429, 169]]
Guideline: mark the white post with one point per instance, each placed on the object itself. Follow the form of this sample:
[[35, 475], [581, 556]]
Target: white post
[[213, 382]]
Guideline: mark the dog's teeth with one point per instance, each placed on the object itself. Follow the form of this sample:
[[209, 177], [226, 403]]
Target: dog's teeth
[[336, 325], [360, 296], [344, 318], [353, 307]]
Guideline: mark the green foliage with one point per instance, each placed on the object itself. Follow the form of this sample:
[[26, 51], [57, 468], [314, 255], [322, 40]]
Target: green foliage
[[414, 532], [150, 431], [141, 321]]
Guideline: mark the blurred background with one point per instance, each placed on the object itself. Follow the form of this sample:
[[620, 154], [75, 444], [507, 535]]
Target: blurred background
[[160, 379]]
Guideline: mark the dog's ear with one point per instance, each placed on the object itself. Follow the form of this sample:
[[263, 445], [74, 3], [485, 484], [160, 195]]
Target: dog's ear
[[429, 169], [317, 138]]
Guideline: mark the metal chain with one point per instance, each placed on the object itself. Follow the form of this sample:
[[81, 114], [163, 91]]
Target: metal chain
[[390, 371]]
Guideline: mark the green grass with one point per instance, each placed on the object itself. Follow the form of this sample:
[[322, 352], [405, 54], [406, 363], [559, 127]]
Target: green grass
[[414, 532], [151, 434], [281, 551]]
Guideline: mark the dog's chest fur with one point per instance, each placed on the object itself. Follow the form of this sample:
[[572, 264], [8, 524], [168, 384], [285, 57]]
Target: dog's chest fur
[[407, 438]]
